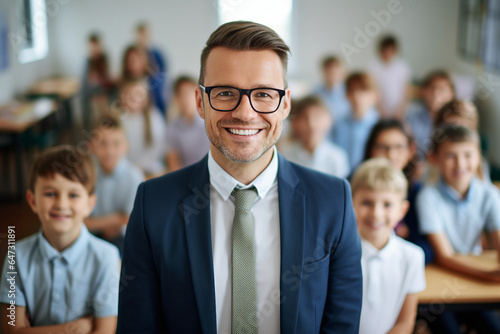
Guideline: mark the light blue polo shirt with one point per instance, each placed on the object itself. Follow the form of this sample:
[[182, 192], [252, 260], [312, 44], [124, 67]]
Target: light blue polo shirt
[[335, 99], [352, 134], [59, 287], [440, 209], [421, 123], [116, 191]]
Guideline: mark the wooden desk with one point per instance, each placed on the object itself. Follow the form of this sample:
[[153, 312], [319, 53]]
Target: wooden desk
[[62, 88], [450, 290], [15, 119]]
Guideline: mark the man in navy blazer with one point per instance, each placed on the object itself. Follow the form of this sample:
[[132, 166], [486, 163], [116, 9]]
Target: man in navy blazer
[[176, 270]]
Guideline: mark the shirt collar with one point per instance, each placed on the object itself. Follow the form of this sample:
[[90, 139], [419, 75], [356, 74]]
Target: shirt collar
[[452, 194], [369, 251], [70, 254], [224, 183]]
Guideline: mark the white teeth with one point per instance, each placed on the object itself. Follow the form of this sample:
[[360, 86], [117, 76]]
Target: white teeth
[[243, 132]]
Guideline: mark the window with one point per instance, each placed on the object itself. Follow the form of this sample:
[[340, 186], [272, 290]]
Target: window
[[479, 32], [30, 39], [275, 14]]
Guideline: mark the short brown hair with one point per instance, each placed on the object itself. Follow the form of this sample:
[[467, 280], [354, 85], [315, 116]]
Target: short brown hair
[[181, 80], [68, 162], [438, 74], [454, 134], [109, 121], [459, 108], [94, 38], [244, 36], [362, 79], [388, 41], [330, 61], [298, 107]]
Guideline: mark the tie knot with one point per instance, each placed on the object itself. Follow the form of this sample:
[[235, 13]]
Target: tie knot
[[244, 199]]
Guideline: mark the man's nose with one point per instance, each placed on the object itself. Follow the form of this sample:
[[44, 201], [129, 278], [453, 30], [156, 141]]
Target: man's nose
[[244, 111]]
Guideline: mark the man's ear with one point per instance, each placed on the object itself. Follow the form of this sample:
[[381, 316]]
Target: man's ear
[[30, 198], [200, 103], [287, 104]]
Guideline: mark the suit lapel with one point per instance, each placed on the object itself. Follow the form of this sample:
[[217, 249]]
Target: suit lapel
[[196, 209], [292, 224]]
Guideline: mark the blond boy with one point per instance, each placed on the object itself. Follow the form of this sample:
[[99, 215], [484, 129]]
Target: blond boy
[[393, 269]]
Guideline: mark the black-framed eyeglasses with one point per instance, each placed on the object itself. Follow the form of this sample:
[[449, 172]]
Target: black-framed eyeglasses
[[225, 98]]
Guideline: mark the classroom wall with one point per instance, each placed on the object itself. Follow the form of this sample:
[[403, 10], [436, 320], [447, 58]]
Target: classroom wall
[[179, 28], [427, 30]]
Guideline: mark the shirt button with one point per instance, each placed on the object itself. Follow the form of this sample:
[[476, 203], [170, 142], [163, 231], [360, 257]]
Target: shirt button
[[56, 296]]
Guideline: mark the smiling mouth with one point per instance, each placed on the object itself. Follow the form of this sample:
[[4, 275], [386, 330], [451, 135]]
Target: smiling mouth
[[243, 132], [59, 216]]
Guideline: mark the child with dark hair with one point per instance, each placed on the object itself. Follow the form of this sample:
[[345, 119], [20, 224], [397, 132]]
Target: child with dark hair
[[97, 82], [393, 77], [332, 89], [351, 132], [64, 276], [310, 123], [436, 89], [117, 181], [455, 212], [187, 141], [391, 139]]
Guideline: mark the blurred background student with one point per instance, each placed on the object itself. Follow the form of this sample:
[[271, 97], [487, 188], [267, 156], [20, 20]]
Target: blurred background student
[[464, 113], [393, 78], [117, 181], [332, 90], [186, 142], [310, 124], [144, 126], [158, 74], [97, 82], [351, 132], [436, 89]]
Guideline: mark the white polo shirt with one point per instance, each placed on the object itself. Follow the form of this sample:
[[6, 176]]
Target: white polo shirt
[[389, 275]]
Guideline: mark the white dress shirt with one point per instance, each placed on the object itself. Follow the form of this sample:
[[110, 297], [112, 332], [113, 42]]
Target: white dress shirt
[[389, 275], [267, 244]]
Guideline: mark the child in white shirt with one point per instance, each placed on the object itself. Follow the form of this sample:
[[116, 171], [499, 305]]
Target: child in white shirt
[[393, 268], [392, 75]]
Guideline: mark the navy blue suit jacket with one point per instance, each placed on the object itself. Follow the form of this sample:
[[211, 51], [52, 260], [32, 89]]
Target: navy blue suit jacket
[[167, 281]]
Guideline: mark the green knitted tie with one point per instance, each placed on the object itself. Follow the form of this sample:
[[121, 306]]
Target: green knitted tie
[[244, 316]]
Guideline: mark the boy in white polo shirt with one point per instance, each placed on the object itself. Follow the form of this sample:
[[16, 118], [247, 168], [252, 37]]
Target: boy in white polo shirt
[[393, 269]]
